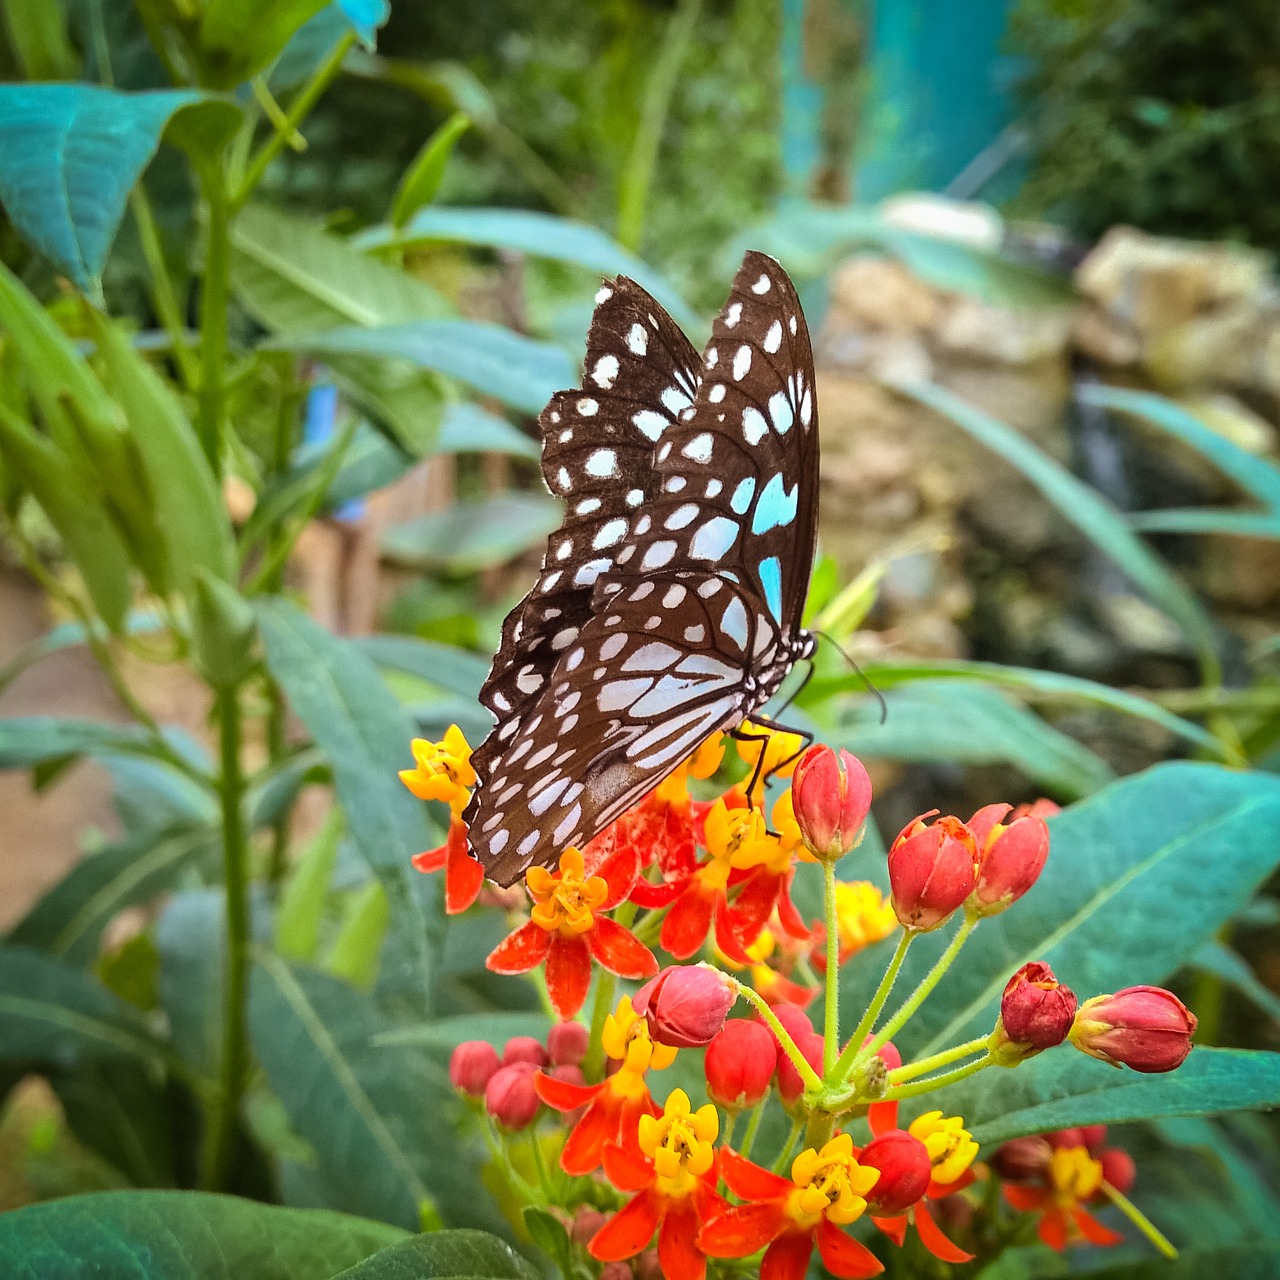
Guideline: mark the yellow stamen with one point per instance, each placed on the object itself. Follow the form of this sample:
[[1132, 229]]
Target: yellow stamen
[[626, 1039], [442, 770], [565, 901], [1074, 1174], [680, 1142], [951, 1149], [830, 1184], [863, 915]]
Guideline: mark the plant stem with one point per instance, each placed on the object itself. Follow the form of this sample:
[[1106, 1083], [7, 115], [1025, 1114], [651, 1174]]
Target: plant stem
[[220, 1140], [163, 297], [753, 1127], [299, 108], [593, 1064], [930, 980], [1140, 1220], [831, 996], [913, 1069], [214, 298], [863, 1029], [812, 1081], [785, 1154], [730, 1121], [938, 1082], [540, 1165]]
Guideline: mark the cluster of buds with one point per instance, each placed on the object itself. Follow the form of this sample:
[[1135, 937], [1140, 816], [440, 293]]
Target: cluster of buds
[[677, 877]]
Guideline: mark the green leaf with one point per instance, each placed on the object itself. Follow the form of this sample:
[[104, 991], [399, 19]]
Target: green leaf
[[1253, 1261], [39, 40], [470, 1254], [447, 1034], [365, 17], [181, 1235], [28, 740], [189, 937], [69, 156], [380, 1118], [1063, 1088], [541, 234], [474, 535], [357, 950], [1139, 876], [1240, 524], [64, 636], [451, 668], [1027, 680], [495, 361], [305, 891], [422, 179], [1230, 967], [51, 1012], [945, 720], [467, 428], [190, 513], [1083, 506], [68, 921], [241, 37]]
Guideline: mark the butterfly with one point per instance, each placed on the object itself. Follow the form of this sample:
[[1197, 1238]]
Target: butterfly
[[668, 606]]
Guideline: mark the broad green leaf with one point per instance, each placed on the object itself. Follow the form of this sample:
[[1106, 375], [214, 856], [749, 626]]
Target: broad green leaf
[[357, 950], [38, 39], [152, 795], [1083, 506], [945, 720], [189, 937], [30, 740], [337, 692], [447, 1033], [470, 1254], [456, 670], [273, 796], [51, 1012], [1241, 524], [1230, 967], [1063, 1087], [305, 891], [1139, 876], [380, 1118], [1027, 680], [422, 178], [467, 428], [68, 921], [190, 514], [75, 510], [474, 535], [241, 37], [495, 361], [1255, 475], [181, 1235], [541, 234], [64, 636], [1252, 1261], [69, 156]]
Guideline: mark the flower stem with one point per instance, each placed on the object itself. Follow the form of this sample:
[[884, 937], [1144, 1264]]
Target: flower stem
[[540, 1164], [215, 292], [220, 1140], [937, 1082], [854, 1048], [753, 1127], [785, 1154], [1140, 1220], [730, 1122], [913, 1069], [593, 1064], [831, 1022], [927, 984], [812, 1081]]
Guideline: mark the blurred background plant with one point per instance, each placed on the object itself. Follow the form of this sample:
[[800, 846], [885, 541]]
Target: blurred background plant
[[284, 288]]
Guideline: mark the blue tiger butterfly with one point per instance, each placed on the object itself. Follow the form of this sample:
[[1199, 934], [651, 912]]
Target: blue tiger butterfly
[[668, 605]]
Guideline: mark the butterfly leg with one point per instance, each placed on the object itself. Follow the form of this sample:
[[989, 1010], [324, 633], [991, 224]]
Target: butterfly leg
[[743, 735]]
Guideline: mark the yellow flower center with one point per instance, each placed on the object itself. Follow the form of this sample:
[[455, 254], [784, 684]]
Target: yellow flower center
[[1074, 1174], [781, 750], [626, 1038], [565, 900], [680, 1142], [830, 1183], [737, 839], [863, 915], [674, 789], [951, 1149], [442, 770]]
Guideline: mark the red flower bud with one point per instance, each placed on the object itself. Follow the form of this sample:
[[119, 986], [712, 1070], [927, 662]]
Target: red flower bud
[[794, 1019], [647, 1266], [905, 1172], [1042, 808], [1146, 1028], [1093, 1136], [510, 1097], [569, 1072], [686, 1004], [790, 1085], [931, 871], [740, 1063], [471, 1066], [1010, 857], [1063, 1138], [524, 1049], [1036, 1010], [831, 797], [1023, 1159], [587, 1220], [567, 1043], [1118, 1169]]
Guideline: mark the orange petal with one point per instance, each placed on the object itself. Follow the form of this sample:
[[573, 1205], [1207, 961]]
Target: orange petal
[[629, 1230], [882, 1117], [627, 1170], [688, 922], [564, 1095], [520, 951], [843, 1256], [742, 1230], [895, 1228], [1093, 1230], [748, 1180], [933, 1239], [568, 975], [619, 950], [464, 874], [787, 1258], [678, 1253], [584, 1148]]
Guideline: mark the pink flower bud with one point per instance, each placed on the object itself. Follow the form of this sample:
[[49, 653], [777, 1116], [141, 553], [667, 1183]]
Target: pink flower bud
[[648, 1266], [740, 1063], [567, 1043], [510, 1097], [524, 1049], [831, 796], [569, 1072], [1093, 1136], [1022, 1159], [686, 1004], [471, 1066], [616, 1271], [587, 1220], [1036, 1010], [1146, 1028], [790, 1085], [931, 871], [905, 1172], [1065, 1138], [1118, 1169], [1010, 857]]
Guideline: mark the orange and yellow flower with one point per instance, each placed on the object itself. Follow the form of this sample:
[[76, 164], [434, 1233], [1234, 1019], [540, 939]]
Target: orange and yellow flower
[[1071, 1178], [442, 771]]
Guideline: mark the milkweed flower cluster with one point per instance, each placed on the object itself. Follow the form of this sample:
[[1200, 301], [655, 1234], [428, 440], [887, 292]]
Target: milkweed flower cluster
[[692, 900]]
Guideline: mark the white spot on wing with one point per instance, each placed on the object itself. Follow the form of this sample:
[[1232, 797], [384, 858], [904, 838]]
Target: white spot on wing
[[733, 315], [588, 407], [638, 339], [682, 516], [609, 533], [650, 423], [658, 554], [773, 339], [762, 285], [602, 464], [754, 426], [699, 448], [605, 372], [741, 362]]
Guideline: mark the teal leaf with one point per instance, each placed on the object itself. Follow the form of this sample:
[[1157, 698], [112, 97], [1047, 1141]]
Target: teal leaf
[[1231, 968], [189, 938], [365, 17], [470, 1254], [181, 1235], [31, 740], [69, 156], [474, 535], [519, 371], [543, 235], [444, 665], [467, 428]]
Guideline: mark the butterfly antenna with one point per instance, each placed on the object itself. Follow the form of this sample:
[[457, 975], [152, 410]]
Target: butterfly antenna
[[871, 689]]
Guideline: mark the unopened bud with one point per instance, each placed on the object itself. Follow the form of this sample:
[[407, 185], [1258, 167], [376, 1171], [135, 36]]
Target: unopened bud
[[831, 797], [471, 1067], [1146, 1028], [1036, 1012], [510, 1097], [567, 1043], [905, 1172], [1010, 857], [790, 1084], [1022, 1159], [931, 871], [1118, 1169], [740, 1063], [686, 1005], [524, 1049]]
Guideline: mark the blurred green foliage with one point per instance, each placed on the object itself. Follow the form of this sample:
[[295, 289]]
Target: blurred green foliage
[[1164, 114]]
